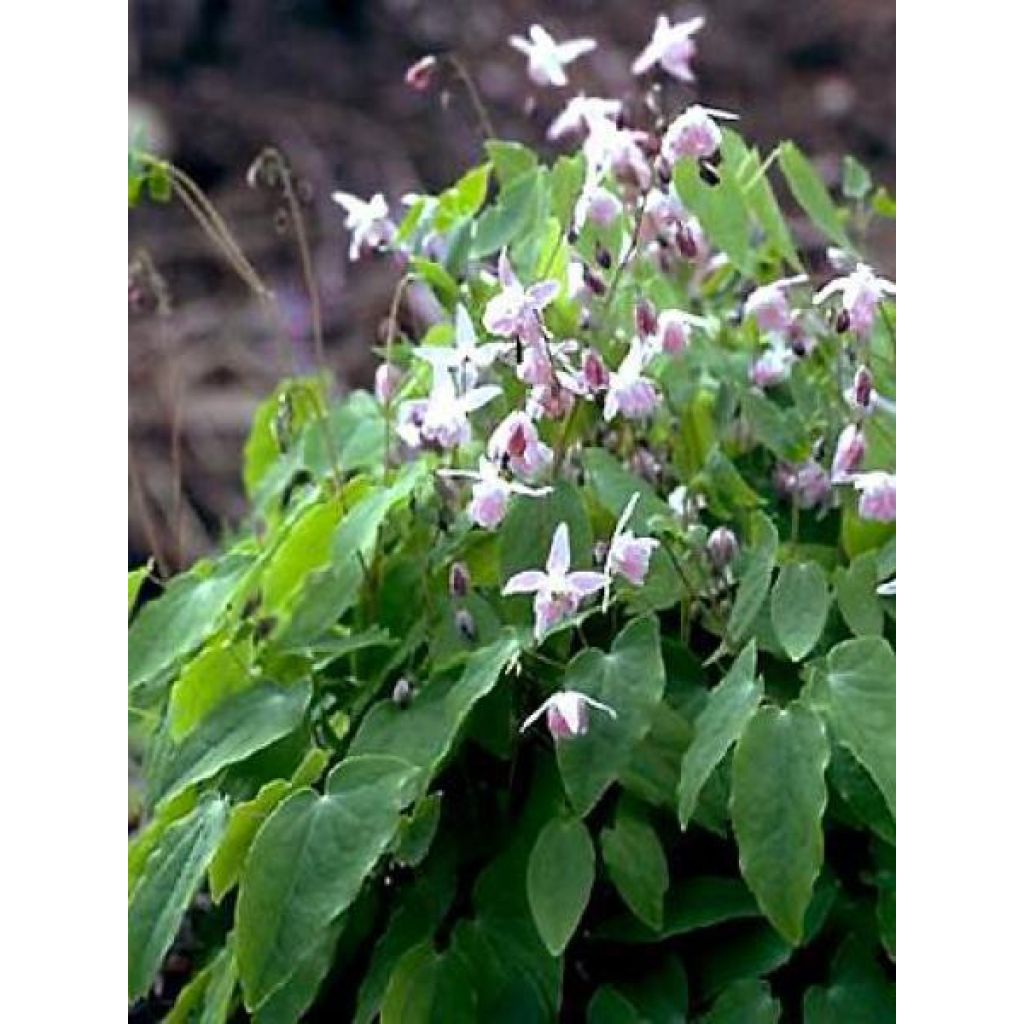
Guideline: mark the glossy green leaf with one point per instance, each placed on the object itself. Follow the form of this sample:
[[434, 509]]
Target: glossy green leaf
[[856, 594], [778, 799], [635, 860], [755, 578], [307, 864], [858, 695], [559, 880], [729, 707], [165, 890], [857, 993], [810, 192], [745, 1002], [630, 679], [800, 601], [238, 727]]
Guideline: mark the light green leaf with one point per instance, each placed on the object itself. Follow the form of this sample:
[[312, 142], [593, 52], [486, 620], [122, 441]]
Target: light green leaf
[[800, 601], [636, 863], [192, 607], [810, 192], [144, 843], [238, 727], [748, 1001], [306, 547], [511, 160], [217, 672], [729, 707], [858, 695], [136, 577], [857, 596], [856, 179], [165, 890], [515, 210], [558, 881], [756, 577], [307, 864], [778, 799], [630, 679]]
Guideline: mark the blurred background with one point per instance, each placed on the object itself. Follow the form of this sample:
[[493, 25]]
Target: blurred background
[[212, 82]]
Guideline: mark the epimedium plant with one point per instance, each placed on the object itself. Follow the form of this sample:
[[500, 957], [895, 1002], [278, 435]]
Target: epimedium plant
[[557, 676]]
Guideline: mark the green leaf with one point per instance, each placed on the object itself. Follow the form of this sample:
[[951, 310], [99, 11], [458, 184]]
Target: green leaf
[[860, 794], [165, 890], [747, 1001], [566, 183], [609, 1006], [886, 909], [141, 847], [858, 991], [516, 209], [306, 547], [720, 209], [417, 831], [443, 284], [424, 732], [614, 486], [780, 431], [755, 579], [238, 727], [192, 607], [526, 533], [630, 679], [856, 179], [800, 601], [857, 596], [858, 695], [778, 799], [559, 879], [810, 192], [729, 707], [883, 203], [217, 672], [636, 863], [511, 159], [307, 864], [135, 580], [158, 181]]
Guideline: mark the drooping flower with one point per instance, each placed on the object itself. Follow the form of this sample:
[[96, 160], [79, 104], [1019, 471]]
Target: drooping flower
[[546, 59], [466, 357], [491, 492], [850, 451], [558, 591], [579, 112], [811, 484], [694, 133], [877, 496], [443, 417], [673, 335], [722, 547], [386, 380], [769, 306], [629, 392], [567, 714], [628, 555], [672, 47], [862, 292], [611, 148], [662, 216], [369, 222], [419, 75], [517, 444], [516, 311], [772, 366], [596, 205]]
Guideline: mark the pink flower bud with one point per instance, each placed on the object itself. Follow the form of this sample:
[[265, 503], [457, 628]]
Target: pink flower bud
[[673, 332], [459, 580], [385, 382], [850, 451], [811, 485], [595, 373], [877, 496], [646, 318], [863, 387], [420, 75], [722, 547]]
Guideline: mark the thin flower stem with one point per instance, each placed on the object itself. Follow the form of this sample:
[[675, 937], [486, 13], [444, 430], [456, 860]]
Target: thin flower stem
[[404, 281], [630, 252], [483, 118]]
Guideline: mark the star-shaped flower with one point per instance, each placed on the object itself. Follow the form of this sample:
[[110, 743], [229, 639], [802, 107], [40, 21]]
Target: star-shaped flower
[[546, 59]]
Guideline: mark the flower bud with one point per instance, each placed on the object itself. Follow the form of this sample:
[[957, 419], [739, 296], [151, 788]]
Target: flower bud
[[722, 547], [850, 451], [385, 382], [686, 243], [465, 625], [843, 321], [600, 552], [863, 387], [646, 318], [420, 75], [603, 256], [402, 692], [593, 282], [595, 373], [459, 580]]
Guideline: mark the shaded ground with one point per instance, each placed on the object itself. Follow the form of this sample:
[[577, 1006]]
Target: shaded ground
[[214, 81]]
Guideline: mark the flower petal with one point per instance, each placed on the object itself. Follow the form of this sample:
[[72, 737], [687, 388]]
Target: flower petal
[[525, 582], [585, 583], [558, 556]]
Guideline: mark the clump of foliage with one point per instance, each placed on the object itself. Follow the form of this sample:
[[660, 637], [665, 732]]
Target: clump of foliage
[[557, 675]]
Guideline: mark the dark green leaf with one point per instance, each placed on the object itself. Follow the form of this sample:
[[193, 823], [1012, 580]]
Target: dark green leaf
[[780, 431], [800, 601], [558, 881], [636, 862], [748, 1001], [755, 578]]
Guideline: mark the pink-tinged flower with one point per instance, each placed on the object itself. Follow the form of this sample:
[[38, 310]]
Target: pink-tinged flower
[[811, 484], [579, 112], [466, 357], [618, 150], [596, 205], [628, 555], [536, 368], [862, 292], [672, 47], [567, 714], [850, 451], [419, 75], [491, 492], [772, 366], [722, 547], [386, 381], [368, 221], [516, 311], [546, 59], [663, 215], [694, 133], [862, 396], [877, 496], [629, 392], [517, 444], [887, 589], [558, 591], [442, 418], [595, 373], [673, 334], [769, 306], [554, 401]]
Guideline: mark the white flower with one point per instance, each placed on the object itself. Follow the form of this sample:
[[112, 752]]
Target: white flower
[[578, 114], [491, 492], [546, 58], [694, 133], [567, 714], [629, 392], [769, 306], [861, 291], [672, 47], [628, 555], [443, 418], [369, 222], [466, 357]]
